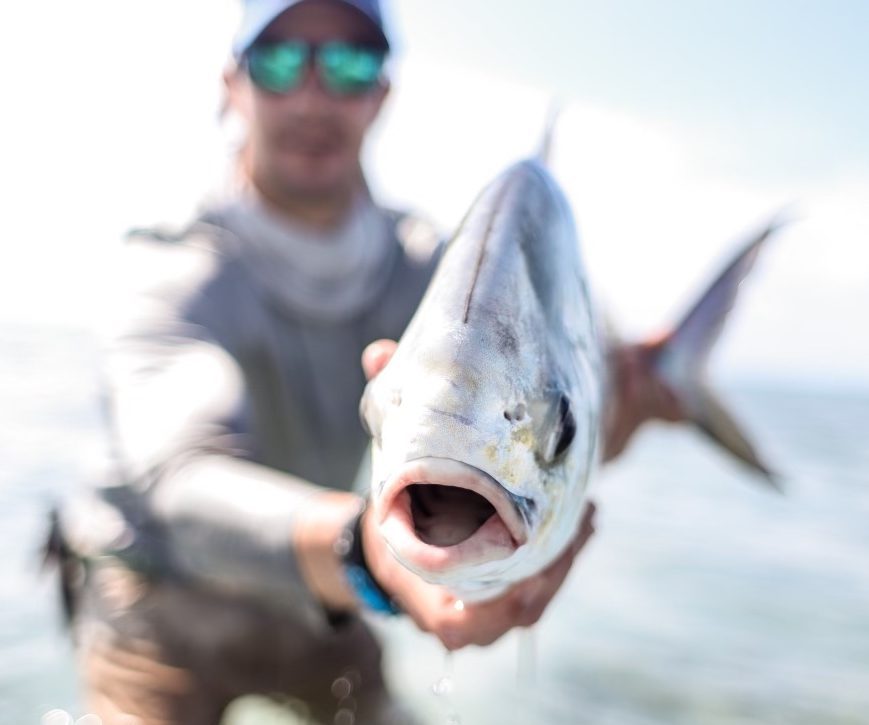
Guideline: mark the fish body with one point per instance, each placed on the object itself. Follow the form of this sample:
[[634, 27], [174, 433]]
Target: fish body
[[486, 421]]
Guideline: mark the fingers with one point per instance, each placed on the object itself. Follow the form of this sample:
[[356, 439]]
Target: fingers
[[436, 611], [376, 355], [522, 606], [526, 602], [455, 623], [586, 527]]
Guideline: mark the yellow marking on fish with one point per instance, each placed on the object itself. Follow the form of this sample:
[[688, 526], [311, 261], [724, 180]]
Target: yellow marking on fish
[[523, 436]]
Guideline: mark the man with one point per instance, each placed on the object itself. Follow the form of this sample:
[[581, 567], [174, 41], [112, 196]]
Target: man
[[215, 566]]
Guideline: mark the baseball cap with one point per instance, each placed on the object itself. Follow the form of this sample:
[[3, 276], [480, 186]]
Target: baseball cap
[[258, 14]]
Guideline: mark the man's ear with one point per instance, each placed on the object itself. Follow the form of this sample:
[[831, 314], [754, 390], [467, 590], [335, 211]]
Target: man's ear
[[386, 88], [237, 91], [378, 98]]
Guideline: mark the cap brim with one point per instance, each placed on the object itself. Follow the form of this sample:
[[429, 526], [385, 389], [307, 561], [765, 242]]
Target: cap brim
[[258, 15]]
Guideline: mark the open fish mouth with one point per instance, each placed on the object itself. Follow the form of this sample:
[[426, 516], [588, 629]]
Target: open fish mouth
[[438, 514]]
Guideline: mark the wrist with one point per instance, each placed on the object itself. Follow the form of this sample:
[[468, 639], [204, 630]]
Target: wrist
[[351, 548], [314, 536]]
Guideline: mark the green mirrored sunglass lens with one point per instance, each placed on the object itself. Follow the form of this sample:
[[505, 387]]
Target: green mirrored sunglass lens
[[347, 68], [277, 67]]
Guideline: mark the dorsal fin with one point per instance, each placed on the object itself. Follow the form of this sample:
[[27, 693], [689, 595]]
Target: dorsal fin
[[544, 151]]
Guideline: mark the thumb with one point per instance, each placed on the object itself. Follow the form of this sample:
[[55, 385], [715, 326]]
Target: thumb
[[376, 355]]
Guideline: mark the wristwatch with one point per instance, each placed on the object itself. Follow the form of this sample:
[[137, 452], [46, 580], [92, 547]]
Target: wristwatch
[[348, 546]]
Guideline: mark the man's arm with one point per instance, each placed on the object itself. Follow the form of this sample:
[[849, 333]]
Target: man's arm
[[221, 520], [241, 527]]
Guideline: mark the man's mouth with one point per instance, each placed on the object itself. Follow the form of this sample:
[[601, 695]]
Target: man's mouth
[[311, 141], [438, 514]]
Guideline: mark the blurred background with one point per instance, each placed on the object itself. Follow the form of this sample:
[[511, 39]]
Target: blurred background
[[684, 127]]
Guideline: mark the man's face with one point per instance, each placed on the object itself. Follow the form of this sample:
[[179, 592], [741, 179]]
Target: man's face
[[306, 143]]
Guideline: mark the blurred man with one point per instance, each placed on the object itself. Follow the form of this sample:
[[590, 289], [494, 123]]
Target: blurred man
[[215, 565]]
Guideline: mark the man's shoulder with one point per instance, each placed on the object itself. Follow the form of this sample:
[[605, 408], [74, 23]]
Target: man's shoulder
[[159, 233], [195, 243], [172, 261], [199, 232]]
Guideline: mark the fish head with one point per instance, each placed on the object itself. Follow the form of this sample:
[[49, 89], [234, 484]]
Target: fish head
[[485, 421]]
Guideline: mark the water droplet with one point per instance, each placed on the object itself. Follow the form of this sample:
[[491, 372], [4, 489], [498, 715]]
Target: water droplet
[[526, 669], [56, 717], [341, 688], [343, 544], [459, 605], [355, 677], [344, 717], [448, 663], [89, 720], [443, 686]]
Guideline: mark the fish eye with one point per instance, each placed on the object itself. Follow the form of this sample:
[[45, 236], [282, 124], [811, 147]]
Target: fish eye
[[559, 425], [566, 430]]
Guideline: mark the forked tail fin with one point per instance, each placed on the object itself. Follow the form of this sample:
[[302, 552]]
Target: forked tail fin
[[666, 378], [680, 358]]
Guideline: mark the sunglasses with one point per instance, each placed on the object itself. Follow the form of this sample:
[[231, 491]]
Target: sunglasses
[[343, 68]]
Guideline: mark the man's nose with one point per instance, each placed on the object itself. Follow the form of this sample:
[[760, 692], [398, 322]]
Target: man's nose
[[311, 89]]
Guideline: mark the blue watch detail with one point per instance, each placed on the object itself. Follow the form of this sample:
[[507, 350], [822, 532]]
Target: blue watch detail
[[369, 593], [359, 576]]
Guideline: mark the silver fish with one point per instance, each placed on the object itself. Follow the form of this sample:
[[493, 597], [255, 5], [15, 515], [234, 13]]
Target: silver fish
[[490, 419]]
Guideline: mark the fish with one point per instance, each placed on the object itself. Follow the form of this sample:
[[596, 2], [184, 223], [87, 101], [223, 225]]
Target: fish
[[505, 393]]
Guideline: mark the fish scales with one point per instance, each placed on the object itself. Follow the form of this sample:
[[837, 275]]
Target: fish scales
[[505, 326]]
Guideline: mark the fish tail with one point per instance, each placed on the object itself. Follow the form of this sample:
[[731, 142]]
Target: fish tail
[[665, 378]]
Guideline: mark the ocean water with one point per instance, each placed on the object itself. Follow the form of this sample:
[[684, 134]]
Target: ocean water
[[702, 599]]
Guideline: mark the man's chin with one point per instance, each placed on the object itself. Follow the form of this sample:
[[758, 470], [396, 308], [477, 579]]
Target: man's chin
[[320, 178]]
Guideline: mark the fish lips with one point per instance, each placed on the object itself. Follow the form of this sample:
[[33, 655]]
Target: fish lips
[[497, 538]]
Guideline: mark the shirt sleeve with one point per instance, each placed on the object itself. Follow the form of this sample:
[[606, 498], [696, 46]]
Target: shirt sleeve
[[205, 513]]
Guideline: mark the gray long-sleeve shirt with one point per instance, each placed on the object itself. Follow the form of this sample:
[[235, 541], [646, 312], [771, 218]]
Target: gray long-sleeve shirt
[[231, 399]]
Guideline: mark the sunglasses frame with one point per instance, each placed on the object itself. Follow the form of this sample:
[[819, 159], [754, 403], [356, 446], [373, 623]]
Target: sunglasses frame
[[313, 57]]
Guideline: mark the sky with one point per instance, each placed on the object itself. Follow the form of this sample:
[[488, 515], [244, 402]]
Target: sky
[[685, 126]]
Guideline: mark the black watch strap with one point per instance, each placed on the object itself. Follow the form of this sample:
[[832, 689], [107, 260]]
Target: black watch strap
[[368, 591]]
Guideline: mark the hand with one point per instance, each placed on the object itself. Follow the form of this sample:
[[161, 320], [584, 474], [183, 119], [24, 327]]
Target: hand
[[376, 355], [434, 610], [432, 607]]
